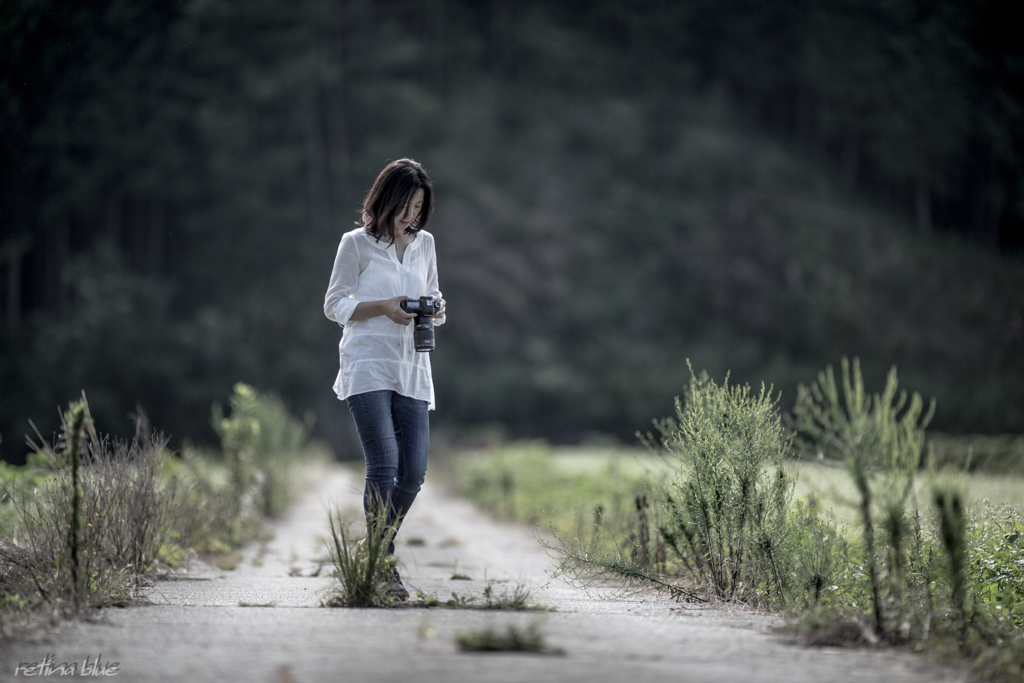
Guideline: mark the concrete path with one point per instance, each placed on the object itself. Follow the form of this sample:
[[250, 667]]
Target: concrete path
[[208, 626]]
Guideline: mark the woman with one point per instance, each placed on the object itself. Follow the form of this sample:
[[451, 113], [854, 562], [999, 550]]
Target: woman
[[387, 384]]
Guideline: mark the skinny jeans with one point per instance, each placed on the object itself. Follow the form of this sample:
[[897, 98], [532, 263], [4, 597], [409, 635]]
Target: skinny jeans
[[395, 434]]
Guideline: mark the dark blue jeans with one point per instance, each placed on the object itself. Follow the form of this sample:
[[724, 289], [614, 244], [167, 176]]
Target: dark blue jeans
[[395, 434]]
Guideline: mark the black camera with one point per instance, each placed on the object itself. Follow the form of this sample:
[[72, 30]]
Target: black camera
[[425, 308]]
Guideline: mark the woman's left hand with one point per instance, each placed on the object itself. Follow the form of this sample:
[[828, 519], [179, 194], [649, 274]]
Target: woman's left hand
[[440, 313]]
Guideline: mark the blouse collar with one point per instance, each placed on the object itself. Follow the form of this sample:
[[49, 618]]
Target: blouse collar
[[384, 245]]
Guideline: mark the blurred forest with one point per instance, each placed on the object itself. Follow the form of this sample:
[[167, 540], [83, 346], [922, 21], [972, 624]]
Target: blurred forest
[[759, 187]]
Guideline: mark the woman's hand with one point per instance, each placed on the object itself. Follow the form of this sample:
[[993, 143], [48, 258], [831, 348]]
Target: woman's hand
[[444, 305], [392, 308]]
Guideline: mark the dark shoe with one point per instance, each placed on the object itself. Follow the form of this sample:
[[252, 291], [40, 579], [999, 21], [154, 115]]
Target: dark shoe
[[393, 586]]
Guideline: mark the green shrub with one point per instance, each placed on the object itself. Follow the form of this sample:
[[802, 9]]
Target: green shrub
[[731, 520], [953, 576], [816, 552], [994, 562], [949, 498], [261, 442]]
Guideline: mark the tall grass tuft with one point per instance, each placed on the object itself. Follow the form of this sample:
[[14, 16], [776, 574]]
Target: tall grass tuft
[[360, 565]]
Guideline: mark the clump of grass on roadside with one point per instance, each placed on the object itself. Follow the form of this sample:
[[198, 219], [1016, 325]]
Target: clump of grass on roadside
[[360, 564], [729, 506], [100, 519], [517, 599], [943, 575], [88, 516]]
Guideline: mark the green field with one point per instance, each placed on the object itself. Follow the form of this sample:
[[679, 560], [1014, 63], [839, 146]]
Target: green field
[[828, 481]]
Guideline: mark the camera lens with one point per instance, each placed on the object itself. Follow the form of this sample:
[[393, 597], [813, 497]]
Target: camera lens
[[423, 335]]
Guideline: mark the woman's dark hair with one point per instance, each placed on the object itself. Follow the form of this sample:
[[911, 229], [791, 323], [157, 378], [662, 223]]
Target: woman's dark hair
[[395, 186]]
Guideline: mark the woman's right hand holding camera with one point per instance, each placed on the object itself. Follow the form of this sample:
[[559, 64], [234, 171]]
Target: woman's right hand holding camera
[[392, 308]]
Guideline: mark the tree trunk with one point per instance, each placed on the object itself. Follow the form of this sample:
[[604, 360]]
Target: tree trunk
[[319, 207], [850, 162], [501, 38], [434, 42], [157, 236], [985, 206], [339, 158], [13, 252], [60, 250], [923, 208], [113, 219]]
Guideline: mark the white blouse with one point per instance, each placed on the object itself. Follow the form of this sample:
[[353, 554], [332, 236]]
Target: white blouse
[[378, 353]]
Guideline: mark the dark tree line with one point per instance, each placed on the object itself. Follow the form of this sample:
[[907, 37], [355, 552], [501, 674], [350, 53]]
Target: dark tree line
[[176, 174]]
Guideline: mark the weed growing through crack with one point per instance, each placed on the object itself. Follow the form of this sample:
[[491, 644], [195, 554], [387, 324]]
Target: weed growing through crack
[[359, 565], [457, 576], [518, 599], [512, 639]]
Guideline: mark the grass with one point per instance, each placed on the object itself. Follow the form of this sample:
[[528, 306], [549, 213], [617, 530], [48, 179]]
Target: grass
[[512, 639], [360, 563], [518, 599], [830, 483], [826, 480], [99, 516], [561, 488], [88, 517]]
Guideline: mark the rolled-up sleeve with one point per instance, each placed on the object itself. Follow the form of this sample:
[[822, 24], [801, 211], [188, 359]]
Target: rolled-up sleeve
[[433, 289], [340, 301]]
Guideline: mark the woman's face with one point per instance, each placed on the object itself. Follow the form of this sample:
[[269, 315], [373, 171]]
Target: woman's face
[[410, 213]]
